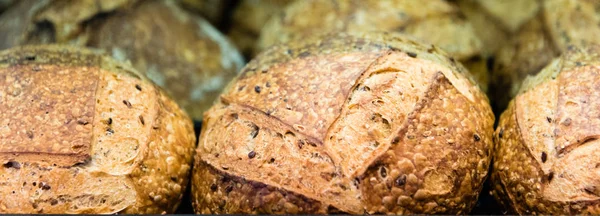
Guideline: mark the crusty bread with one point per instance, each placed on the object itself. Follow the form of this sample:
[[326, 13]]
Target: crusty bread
[[355, 123], [177, 50], [546, 156], [82, 133]]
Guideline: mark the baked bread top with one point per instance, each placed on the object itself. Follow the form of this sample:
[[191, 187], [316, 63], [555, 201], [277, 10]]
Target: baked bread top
[[349, 122]]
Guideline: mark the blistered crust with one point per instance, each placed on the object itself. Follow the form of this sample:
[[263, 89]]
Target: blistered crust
[[244, 137], [35, 107], [162, 177], [546, 152], [217, 192], [145, 173], [423, 171]]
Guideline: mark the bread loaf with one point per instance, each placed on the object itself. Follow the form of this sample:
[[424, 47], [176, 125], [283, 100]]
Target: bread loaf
[[546, 156], [82, 133], [354, 123], [177, 50]]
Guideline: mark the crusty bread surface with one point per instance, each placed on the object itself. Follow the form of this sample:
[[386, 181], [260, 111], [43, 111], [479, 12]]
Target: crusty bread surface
[[354, 123], [82, 133], [546, 154]]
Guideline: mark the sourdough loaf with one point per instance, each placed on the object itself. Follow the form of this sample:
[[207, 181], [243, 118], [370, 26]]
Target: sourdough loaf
[[354, 123], [83, 133], [546, 153], [177, 50]]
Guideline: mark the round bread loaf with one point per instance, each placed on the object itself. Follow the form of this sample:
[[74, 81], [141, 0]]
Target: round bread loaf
[[437, 21], [547, 151], [177, 50], [371, 123], [82, 133], [558, 24]]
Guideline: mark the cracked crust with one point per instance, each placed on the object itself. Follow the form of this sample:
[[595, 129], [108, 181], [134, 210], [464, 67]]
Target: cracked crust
[[179, 51], [345, 123], [545, 159], [63, 112]]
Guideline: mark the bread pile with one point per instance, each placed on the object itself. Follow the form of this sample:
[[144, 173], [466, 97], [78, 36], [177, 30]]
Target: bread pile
[[344, 106]]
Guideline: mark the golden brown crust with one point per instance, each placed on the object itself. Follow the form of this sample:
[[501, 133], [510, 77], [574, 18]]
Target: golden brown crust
[[372, 93], [230, 193], [186, 56], [24, 140], [108, 103], [425, 177], [545, 160], [164, 177]]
